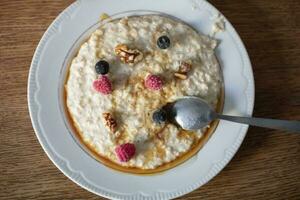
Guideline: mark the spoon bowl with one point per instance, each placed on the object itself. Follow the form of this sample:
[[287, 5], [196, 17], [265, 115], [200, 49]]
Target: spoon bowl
[[192, 113]]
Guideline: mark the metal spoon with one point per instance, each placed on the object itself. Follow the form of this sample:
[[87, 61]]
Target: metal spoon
[[192, 113]]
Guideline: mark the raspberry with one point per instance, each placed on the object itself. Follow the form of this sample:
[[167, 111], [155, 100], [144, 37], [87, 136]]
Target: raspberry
[[103, 85], [125, 152], [154, 82]]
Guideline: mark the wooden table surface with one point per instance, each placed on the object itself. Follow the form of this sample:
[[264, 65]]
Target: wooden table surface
[[267, 166]]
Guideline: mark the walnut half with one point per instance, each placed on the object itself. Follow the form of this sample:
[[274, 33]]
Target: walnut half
[[128, 56], [110, 122]]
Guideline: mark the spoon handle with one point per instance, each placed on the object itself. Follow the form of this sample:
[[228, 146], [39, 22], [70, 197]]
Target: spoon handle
[[293, 126]]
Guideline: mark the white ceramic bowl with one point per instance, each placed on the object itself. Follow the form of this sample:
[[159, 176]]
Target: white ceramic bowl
[[45, 99]]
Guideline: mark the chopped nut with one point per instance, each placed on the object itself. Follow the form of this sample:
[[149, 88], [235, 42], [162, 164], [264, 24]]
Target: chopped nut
[[180, 76], [104, 16], [160, 136], [185, 67], [127, 55], [124, 21], [110, 122]]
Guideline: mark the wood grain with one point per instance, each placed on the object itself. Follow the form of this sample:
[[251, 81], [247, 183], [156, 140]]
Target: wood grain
[[266, 167]]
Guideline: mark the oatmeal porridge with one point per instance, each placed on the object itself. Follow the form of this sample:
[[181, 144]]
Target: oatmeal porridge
[[122, 77]]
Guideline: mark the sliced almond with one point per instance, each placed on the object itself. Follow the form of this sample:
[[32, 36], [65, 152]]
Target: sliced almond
[[180, 76]]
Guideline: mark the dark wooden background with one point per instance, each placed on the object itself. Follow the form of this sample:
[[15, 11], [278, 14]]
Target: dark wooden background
[[266, 167]]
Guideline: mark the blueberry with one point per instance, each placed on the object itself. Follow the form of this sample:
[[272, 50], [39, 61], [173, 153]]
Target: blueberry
[[102, 67], [163, 42], [159, 116]]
